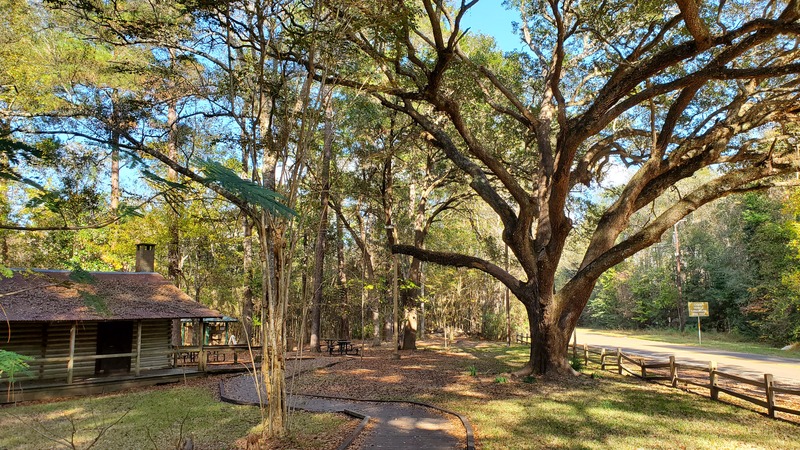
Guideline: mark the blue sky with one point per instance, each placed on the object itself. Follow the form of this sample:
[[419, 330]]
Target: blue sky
[[492, 18]]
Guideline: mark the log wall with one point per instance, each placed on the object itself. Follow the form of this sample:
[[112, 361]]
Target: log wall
[[46, 341]]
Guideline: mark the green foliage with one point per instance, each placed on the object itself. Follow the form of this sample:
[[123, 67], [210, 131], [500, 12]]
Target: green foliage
[[95, 302], [81, 276], [13, 365], [473, 372], [500, 379], [249, 191], [576, 363], [493, 325], [739, 255]]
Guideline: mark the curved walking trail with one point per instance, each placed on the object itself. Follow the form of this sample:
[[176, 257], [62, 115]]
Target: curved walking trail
[[785, 370], [395, 425]]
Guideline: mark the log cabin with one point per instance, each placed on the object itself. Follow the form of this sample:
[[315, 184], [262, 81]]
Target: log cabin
[[79, 326]]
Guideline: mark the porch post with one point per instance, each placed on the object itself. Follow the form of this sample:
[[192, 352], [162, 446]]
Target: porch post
[[138, 347], [201, 355], [71, 361]]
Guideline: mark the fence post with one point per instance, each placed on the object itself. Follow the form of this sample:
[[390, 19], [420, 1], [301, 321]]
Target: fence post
[[644, 369], [768, 385], [585, 355], [673, 371], [712, 380], [619, 361], [603, 359], [574, 344]]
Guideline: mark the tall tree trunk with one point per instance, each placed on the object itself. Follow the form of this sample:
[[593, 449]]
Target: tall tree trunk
[[5, 210], [387, 197], [115, 192], [304, 290], [373, 299], [341, 285], [173, 217], [410, 305], [173, 248], [248, 268], [273, 363], [322, 230], [248, 298]]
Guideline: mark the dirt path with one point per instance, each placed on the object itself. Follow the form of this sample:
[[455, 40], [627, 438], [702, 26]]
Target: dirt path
[[394, 425], [786, 371]]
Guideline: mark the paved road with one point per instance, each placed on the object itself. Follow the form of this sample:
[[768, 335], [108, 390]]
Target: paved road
[[786, 371]]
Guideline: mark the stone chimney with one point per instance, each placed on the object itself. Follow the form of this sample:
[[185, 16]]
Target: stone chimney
[[145, 257]]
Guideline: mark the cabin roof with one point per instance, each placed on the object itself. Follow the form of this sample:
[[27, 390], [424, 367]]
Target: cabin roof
[[60, 295]]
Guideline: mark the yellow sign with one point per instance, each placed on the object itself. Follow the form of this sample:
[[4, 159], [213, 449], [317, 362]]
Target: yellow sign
[[698, 309]]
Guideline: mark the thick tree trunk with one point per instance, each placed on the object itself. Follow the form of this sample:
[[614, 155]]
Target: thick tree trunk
[[410, 307], [552, 320], [273, 364], [549, 342], [410, 323]]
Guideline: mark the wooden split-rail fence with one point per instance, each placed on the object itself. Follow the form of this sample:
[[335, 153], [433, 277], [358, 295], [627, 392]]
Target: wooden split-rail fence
[[761, 392]]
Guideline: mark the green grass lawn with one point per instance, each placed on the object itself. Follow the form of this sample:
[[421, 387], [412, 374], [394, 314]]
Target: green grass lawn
[[608, 411], [148, 419], [711, 339], [600, 412]]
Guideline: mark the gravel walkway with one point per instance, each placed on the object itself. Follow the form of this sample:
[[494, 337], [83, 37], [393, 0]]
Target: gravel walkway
[[395, 425]]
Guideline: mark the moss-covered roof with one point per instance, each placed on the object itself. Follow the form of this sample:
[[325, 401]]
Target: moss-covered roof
[[54, 295]]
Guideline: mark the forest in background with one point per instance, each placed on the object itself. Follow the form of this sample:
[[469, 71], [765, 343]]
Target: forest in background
[[739, 254]]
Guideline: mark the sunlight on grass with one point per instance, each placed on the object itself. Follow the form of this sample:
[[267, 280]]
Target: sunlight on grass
[[151, 419], [309, 431], [155, 419], [610, 412]]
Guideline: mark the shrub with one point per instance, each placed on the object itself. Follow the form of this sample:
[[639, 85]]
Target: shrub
[[576, 363]]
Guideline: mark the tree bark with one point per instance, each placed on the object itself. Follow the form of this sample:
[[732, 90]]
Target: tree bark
[[173, 248], [341, 285], [115, 192], [248, 298], [322, 231]]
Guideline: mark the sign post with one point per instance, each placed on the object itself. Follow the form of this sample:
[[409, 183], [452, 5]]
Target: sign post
[[698, 309]]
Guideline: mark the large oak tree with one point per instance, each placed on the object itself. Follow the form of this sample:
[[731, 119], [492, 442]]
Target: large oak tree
[[666, 89]]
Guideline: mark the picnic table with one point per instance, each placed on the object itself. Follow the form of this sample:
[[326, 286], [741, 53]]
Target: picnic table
[[342, 346]]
